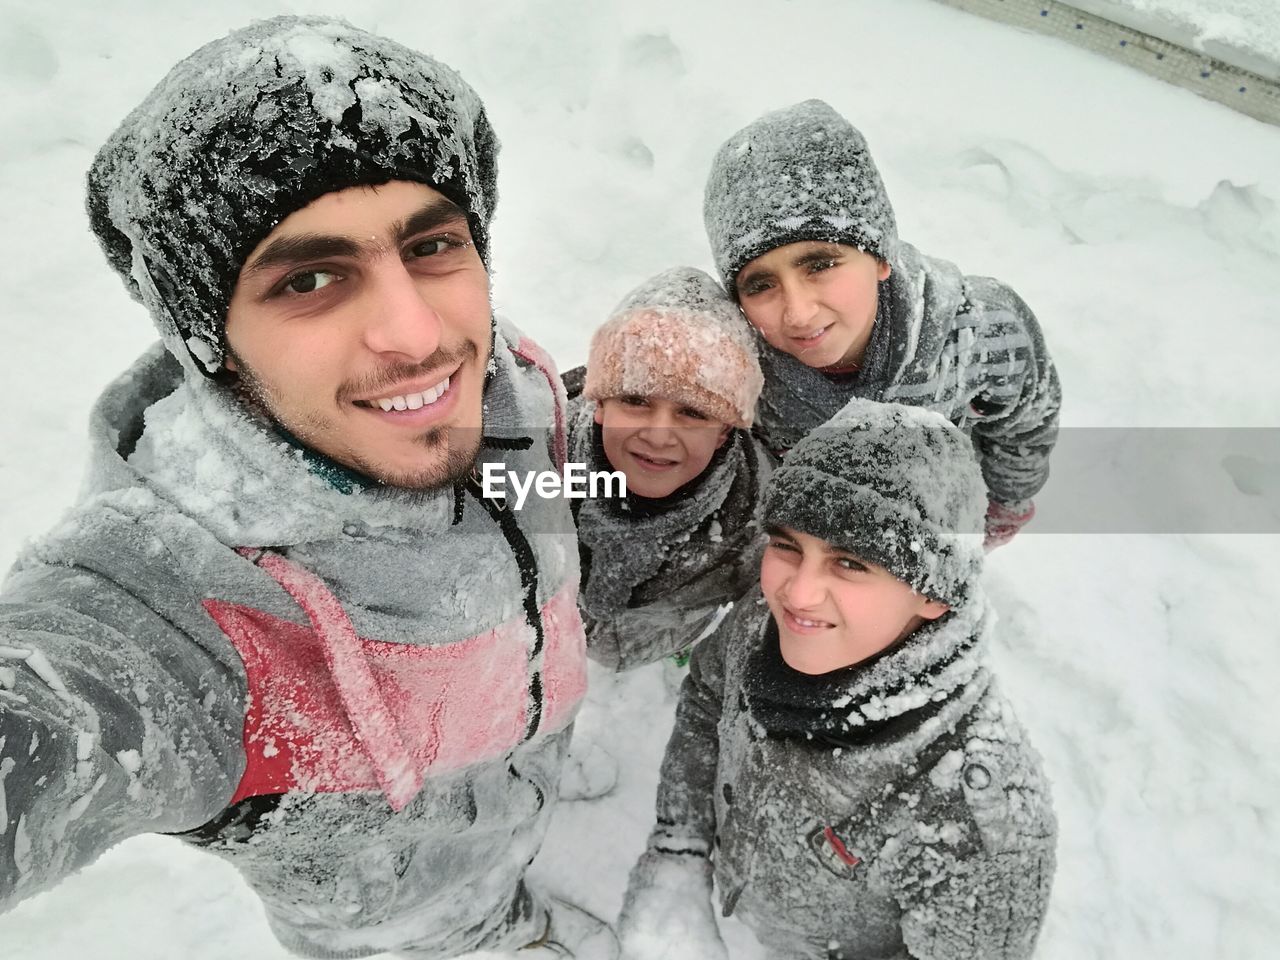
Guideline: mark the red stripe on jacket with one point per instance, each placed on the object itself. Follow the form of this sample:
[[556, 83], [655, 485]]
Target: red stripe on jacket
[[450, 706]]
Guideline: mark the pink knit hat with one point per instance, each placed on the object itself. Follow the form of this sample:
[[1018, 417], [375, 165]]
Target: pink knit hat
[[680, 337]]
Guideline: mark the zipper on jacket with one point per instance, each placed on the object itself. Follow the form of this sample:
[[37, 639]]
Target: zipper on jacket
[[527, 563]]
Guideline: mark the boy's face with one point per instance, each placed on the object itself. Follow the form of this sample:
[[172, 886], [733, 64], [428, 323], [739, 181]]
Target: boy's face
[[364, 300], [813, 300], [660, 445], [832, 609]]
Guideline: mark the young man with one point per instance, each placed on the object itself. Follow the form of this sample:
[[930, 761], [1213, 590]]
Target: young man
[[670, 390], [283, 622], [843, 761], [805, 239]]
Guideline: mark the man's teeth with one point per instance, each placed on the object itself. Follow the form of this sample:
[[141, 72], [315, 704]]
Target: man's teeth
[[808, 623], [413, 401]]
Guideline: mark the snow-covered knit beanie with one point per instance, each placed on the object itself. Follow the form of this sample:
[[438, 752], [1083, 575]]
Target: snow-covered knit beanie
[[256, 125], [893, 485], [800, 173], [678, 336]]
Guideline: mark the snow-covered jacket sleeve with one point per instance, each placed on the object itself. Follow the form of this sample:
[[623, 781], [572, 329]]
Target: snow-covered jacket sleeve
[[1015, 417], [686, 818], [114, 721], [668, 898], [642, 635]]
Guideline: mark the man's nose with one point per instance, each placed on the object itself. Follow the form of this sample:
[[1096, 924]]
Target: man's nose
[[401, 318]]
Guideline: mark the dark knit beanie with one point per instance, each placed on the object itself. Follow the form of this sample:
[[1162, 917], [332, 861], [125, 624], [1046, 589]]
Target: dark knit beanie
[[800, 173], [256, 125], [892, 485]]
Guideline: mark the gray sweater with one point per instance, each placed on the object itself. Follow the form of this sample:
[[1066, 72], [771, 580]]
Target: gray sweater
[[889, 810], [367, 718], [655, 577], [965, 346]]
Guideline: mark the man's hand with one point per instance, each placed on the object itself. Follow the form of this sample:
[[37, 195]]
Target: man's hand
[[668, 902], [1004, 520]]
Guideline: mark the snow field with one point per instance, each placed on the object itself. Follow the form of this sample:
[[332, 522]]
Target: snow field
[[1139, 221]]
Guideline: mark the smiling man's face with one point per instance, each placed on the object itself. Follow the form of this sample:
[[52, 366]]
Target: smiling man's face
[[361, 324]]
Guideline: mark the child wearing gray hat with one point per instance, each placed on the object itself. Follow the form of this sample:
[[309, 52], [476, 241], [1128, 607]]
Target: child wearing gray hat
[[805, 240], [843, 764]]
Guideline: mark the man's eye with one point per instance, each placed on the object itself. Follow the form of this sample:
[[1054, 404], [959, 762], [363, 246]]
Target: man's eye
[[785, 545], [434, 246], [753, 288], [309, 281], [817, 266], [848, 563]]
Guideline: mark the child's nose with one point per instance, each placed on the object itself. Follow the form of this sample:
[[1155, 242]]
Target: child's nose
[[659, 429], [799, 304], [805, 589]]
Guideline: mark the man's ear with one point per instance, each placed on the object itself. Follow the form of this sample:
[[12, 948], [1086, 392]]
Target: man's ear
[[933, 609], [883, 270], [229, 362]]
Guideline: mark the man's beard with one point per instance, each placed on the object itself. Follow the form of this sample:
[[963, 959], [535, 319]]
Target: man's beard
[[458, 447]]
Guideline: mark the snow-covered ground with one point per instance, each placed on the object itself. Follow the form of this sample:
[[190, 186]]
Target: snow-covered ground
[[1139, 221]]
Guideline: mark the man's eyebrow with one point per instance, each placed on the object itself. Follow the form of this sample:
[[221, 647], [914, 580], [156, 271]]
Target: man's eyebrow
[[309, 247], [303, 248], [431, 216], [775, 531]]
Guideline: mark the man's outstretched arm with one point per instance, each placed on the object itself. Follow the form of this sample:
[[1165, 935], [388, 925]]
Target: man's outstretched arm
[[113, 720]]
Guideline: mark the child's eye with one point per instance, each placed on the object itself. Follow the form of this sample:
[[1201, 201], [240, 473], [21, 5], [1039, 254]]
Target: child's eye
[[753, 287], [693, 414], [849, 563], [305, 281], [633, 401]]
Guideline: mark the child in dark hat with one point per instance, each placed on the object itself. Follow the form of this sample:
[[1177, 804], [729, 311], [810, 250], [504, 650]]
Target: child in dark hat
[[670, 390], [843, 763], [805, 240]]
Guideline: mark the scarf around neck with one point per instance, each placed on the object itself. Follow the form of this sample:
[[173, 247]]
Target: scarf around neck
[[875, 699]]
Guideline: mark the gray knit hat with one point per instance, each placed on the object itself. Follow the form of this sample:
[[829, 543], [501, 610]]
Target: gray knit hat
[[893, 485], [256, 125], [800, 173]]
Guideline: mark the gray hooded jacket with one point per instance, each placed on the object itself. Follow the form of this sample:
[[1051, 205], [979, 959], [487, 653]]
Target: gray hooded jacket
[[359, 697], [655, 580], [965, 346], [891, 810]]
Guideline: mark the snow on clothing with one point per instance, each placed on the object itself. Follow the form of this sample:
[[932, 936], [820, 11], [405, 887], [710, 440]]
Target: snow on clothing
[[680, 337], [361, 700], [965, 346], [892, 485], [256, 125], [655, 574], [800, 173], [887, 811]]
